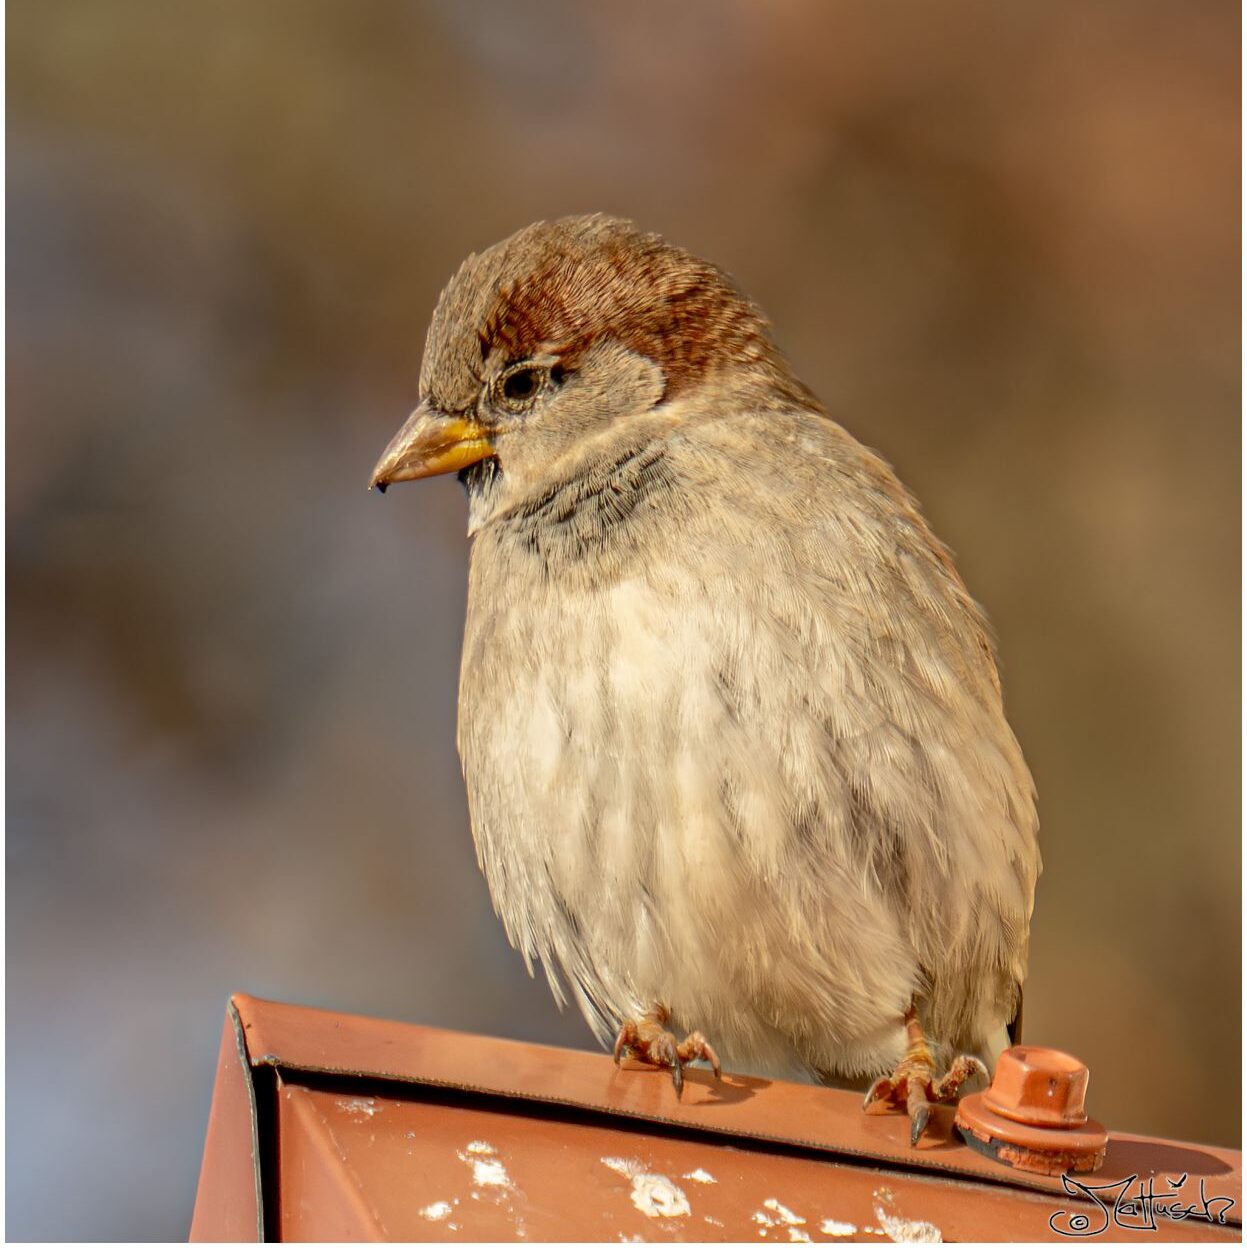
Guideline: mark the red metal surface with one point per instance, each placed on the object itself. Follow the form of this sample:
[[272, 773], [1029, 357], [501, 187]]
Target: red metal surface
[[826, 1119], [387, 1130], [385, 1168]]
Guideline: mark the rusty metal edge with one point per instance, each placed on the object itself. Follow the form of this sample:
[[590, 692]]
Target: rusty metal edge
[[1015, 1180], [204, 1193], [240, 1038]]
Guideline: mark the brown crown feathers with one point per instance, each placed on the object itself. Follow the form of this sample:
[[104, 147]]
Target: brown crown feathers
[[557, 288]]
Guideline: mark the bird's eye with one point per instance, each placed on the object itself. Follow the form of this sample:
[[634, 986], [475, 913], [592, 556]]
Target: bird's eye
[[520, 385]]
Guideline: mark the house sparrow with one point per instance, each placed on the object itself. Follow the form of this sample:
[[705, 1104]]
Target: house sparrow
[[730, 723]]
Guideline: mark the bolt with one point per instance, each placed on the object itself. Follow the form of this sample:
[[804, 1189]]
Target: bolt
[[1040, 1087]]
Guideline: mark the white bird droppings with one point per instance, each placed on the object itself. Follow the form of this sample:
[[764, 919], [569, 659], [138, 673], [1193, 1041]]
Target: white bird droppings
[[489, 1173], [358, 1105], [438, 1210], [657, 1197], [654, 1195], [783, 1213], [903, 1230], [701, 1176], [487, 1170], [781, 1216], [837, 1229]]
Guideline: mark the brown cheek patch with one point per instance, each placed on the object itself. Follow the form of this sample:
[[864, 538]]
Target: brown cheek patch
[[664, 304]]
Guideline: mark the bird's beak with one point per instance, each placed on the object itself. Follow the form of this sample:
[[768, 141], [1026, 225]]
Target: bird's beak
[[429, 443]]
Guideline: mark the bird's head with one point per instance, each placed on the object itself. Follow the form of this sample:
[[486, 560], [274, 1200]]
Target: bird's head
[[543, 346]]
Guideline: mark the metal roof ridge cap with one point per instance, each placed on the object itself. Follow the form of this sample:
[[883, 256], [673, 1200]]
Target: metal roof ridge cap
[[963, 1164], [252, 1010]]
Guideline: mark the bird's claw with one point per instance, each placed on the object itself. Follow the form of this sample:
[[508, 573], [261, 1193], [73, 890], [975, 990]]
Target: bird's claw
[[918, 1124], [912, 1088], [648, 1040]]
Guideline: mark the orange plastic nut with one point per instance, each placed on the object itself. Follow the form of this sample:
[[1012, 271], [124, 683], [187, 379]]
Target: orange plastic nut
[[1033, 1116], [1041, 1087]]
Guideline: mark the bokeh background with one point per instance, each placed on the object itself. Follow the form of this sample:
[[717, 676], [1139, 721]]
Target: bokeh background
[[1000, 240]]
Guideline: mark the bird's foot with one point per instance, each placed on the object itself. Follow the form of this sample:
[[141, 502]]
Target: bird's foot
[[648, 1040], [912, 1086]]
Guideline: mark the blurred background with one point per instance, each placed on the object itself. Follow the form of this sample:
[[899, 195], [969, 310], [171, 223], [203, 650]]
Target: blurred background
[[1000, 240]]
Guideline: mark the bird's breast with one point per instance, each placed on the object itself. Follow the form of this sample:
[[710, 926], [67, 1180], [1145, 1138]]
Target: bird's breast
[[588, 726]]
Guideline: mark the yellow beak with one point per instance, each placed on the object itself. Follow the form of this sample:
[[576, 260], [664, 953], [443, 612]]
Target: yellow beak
[[430, 443]]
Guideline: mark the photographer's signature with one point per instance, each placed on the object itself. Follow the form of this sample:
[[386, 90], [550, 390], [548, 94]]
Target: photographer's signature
[[1137, 1205]]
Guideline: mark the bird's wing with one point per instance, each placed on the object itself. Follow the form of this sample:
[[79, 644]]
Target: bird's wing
[[856, 647]]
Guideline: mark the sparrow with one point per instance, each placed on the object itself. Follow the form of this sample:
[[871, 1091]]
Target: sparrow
[[731, 726]]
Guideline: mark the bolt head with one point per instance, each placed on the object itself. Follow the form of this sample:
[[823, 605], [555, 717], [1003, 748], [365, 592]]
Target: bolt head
[[1040, 1087]]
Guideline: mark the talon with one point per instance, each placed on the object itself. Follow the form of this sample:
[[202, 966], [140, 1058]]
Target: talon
[[709, 1055], [696, 1048], [663, 1050], [648, 1040], [625, 1037], [877, 1091], [911, 1087]]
